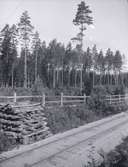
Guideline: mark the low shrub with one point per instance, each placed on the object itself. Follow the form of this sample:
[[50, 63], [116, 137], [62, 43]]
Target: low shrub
[[97, 99], [10, 91], [117, 157], [38, 88], [64, 118], [6, 142], [115, 89], [98, 104]]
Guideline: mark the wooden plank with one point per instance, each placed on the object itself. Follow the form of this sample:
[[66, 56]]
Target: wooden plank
[[115, 99], [35, 133], [72, 101], [115, 95], [6, 97], [29, 105], [74, 97], [53, 101], [22, 97]]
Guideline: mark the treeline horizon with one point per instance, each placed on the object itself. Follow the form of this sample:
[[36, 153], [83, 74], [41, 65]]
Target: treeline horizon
[[54, 65]]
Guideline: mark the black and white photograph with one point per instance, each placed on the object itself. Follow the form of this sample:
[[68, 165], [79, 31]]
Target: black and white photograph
[[63, 83]]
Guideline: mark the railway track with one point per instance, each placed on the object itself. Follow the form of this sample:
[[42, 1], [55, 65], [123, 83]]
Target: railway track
[[57, 147]]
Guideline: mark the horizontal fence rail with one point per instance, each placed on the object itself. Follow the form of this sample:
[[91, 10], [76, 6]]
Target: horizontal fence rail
[[61, 100]]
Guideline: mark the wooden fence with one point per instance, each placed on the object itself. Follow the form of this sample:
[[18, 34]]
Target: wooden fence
[[60, 100], [117, 99]]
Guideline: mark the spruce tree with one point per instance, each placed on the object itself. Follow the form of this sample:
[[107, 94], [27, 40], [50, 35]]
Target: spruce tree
[[8, 54], [117, 64], [109, 63]]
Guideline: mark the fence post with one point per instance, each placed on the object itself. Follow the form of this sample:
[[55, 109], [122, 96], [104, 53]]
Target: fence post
[[61, 102], [125, 98], [14, 99], [85, 98], [119, 98], [43, 99], [110, 100]]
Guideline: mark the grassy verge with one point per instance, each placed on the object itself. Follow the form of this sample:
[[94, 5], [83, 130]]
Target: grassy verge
[[117, 157], [64, 118], [6, 142]]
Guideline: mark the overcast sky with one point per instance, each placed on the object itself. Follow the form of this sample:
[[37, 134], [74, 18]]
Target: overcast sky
[[53, 19]]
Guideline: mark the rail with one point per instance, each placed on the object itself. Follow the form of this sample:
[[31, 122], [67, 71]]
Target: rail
[[59, 100]]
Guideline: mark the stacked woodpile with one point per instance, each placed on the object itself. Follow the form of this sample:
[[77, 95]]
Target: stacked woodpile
[[34, 123], [10, 120], [28, 123]]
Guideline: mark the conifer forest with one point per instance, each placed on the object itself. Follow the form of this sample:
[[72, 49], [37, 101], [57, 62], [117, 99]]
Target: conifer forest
[[25, 59]]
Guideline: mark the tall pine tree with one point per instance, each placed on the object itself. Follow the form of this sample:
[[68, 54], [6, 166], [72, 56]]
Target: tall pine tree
[[25, 31], [36, 46], [82, 19]]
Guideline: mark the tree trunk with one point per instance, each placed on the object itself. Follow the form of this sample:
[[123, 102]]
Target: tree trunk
[[54, 78], [100, 77], [75, 78], [62, 77], [122, 79], [108, 78], [12, 78], [81, 79], [36, 67], [93, 79], [68, 78], [25, 69], [115, 78], [57, 77]]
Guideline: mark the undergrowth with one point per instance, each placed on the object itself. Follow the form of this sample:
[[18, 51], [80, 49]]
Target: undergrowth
[[117, 157], [6, 142]]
